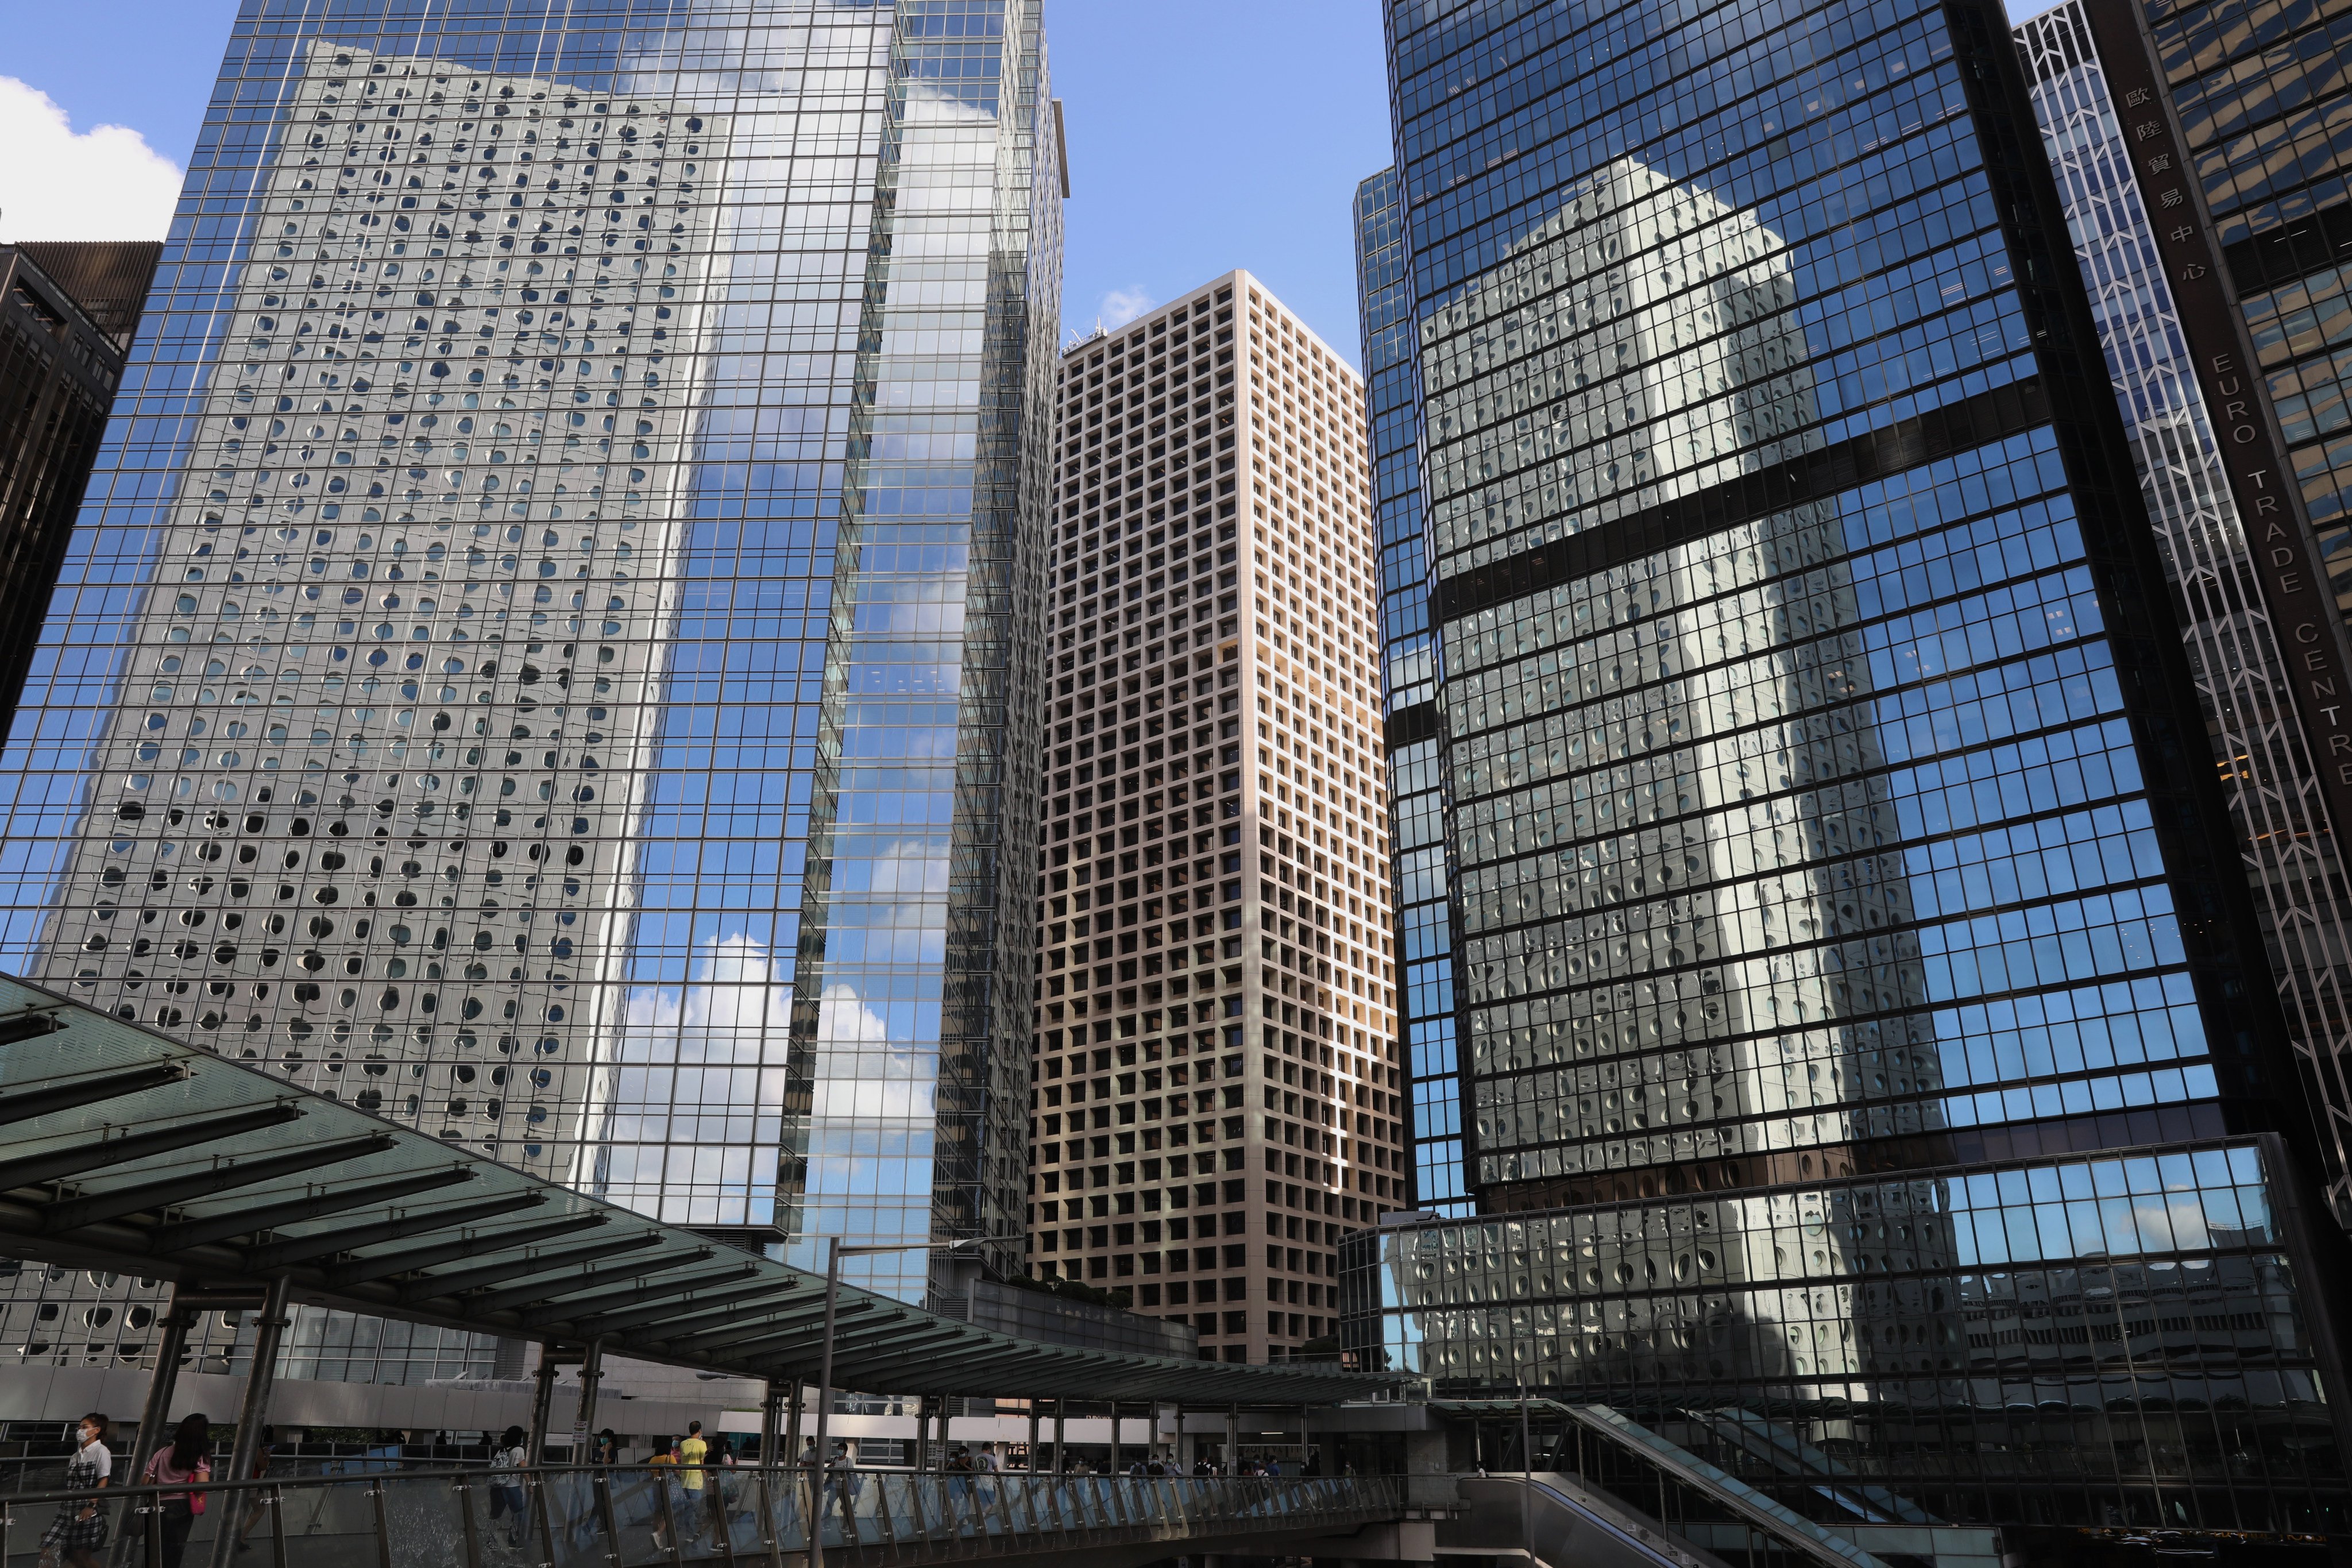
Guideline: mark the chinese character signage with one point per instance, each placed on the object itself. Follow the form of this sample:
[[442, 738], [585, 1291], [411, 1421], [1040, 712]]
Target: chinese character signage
[[2295, 584]]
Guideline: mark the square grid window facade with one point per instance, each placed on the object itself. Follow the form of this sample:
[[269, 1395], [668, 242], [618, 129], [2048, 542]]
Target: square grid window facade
[[1827, 871], [542, 654], [1216, 1095]]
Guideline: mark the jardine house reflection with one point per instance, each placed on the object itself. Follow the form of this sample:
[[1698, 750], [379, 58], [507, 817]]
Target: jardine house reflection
[[1863, 1068]]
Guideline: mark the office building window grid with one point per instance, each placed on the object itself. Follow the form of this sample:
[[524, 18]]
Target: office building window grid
[[550, 424], [2053, 1287], [1215, 1095], [1803, 823], [2256, 89]]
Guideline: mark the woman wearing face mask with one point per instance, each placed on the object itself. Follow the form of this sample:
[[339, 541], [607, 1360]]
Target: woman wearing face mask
[[79, 1528]]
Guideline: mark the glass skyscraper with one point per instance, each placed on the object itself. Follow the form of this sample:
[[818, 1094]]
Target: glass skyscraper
[[1417, 812], [1866, 1065], [551, 651]]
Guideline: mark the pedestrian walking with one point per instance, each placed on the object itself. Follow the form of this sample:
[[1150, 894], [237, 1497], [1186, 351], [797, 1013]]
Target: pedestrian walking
[[842, 1484], [79, 1528], [187, 1457], [508, 1462], [690, 1456], [661, 1475]]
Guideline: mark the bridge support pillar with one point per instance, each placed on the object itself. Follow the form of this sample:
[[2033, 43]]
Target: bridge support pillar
[[270, 1334], [543, 1407], [926, 1405], [770, 1397], [153, 1415], [584, 1415]]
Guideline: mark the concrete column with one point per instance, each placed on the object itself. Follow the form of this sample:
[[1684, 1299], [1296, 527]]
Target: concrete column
[[269, 1334]]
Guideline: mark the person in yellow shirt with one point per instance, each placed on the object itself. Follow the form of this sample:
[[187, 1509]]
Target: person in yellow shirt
[[690, 1456]]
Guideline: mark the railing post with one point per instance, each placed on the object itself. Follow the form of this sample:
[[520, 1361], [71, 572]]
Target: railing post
[[601, 1479], [668, 1519], [1003, 1506], [918, 1517], [383, 1529], [714, 1503], [470, 1532], [541, 1519], [771, 1524]]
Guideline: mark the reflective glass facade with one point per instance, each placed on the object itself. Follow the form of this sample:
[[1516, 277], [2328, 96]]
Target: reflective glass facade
[[1832, 872], [544, 653], [1418, 821]]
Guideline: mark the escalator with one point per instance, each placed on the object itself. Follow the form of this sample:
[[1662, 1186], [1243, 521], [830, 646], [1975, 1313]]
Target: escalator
[[1557, 1520], [1629, 1498]]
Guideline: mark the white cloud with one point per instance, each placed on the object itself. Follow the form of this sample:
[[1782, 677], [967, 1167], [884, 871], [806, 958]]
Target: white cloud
[[1121, 306], [103, 183]]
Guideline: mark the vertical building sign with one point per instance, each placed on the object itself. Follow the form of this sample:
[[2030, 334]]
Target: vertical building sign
[[2309, 628]]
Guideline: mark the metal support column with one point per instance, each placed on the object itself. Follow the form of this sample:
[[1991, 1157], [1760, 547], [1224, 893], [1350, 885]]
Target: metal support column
[[1033, 1453], [268, 1334], [542, 1409], [154, 1416], [1117, 1469], [584, 1415], [824, 1409], [792, 1453], [1061, 1431], [1233, 1439]]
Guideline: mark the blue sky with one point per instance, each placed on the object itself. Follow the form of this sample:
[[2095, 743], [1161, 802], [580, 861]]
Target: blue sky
[[1204, 137]]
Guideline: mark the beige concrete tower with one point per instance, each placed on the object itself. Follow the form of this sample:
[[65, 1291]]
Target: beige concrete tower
[[1216, 1079]]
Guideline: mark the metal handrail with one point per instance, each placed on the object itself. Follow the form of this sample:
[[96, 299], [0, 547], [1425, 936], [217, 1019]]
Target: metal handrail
[[559, 1516], [1824, 1547]]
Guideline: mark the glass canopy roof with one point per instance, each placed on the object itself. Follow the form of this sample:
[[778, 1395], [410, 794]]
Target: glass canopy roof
[[124, 1150]]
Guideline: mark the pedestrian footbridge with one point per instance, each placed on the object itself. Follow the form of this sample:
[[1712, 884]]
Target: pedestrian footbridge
[[126, 1151], [643, 1517]]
